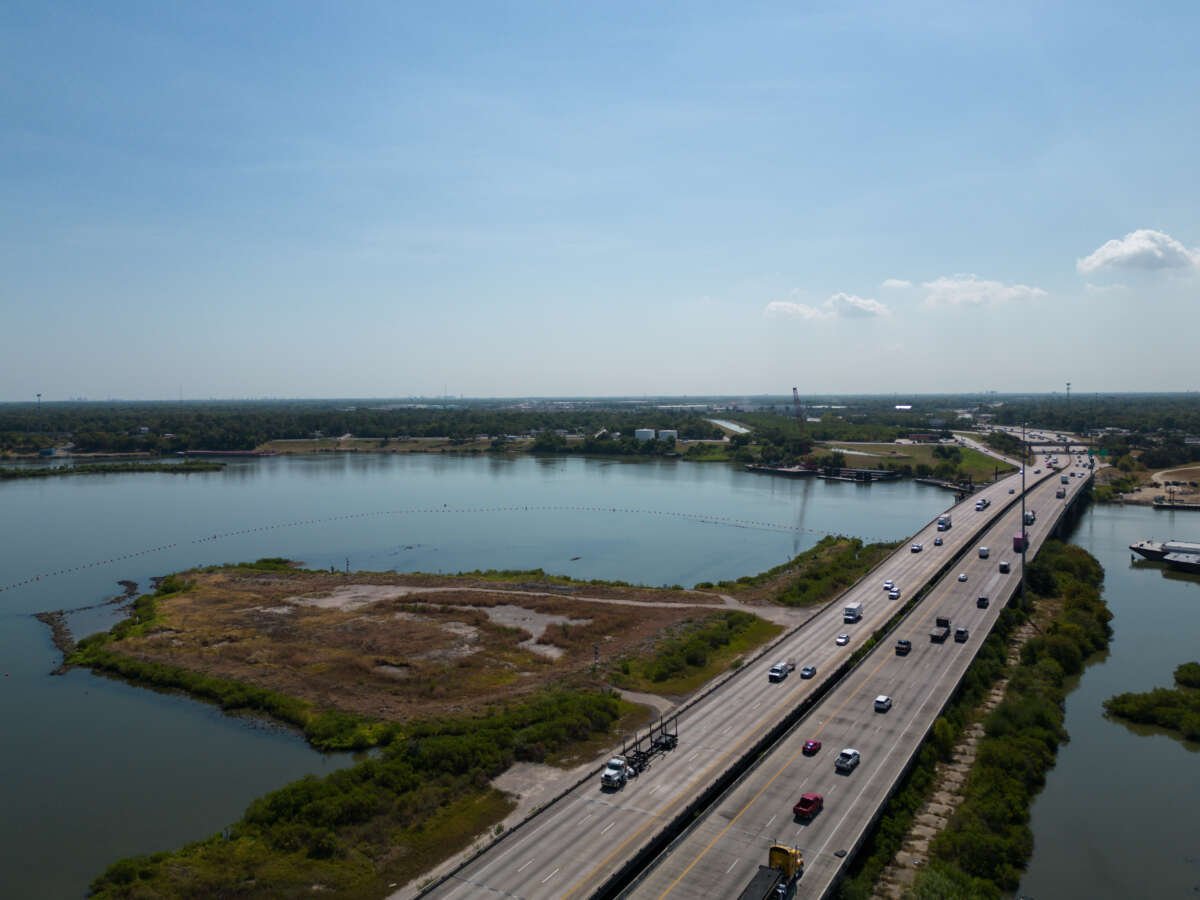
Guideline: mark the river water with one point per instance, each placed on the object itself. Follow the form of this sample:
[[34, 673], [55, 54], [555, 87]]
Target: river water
[[1120, 813], [92, 769]]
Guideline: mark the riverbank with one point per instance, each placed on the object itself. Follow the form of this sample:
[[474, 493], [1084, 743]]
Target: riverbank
[[465, 647], [187, 467]]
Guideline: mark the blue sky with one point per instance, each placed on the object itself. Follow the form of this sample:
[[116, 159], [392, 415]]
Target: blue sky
[[349, 199]]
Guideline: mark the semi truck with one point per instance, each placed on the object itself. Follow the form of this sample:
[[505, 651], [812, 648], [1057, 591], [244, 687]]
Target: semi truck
[[778, 877], [853, 612], [615, 774]]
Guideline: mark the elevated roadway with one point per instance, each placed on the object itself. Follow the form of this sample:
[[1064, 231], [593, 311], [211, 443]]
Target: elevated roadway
[[586, 837], [719, 854]]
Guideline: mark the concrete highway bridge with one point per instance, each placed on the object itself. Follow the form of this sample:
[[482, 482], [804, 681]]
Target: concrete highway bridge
[[697, 823]]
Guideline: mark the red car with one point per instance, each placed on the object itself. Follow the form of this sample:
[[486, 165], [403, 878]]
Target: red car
[[808, 806], [811, 748]]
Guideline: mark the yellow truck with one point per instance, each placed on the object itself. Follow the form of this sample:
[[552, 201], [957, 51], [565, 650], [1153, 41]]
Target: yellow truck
[[778, 877]]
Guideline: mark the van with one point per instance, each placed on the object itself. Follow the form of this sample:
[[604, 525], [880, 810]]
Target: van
[[982, 602], [983, 552]]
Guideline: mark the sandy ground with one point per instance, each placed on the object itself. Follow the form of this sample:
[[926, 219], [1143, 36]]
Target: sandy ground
[[1158, 486]]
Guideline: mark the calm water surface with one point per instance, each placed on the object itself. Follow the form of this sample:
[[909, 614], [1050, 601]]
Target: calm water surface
[[92, 770], [1120, 814]]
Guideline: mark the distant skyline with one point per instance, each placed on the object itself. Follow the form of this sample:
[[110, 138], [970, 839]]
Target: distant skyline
[[363, 200]]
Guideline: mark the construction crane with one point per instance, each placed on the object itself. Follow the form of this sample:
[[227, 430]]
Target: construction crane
[[798, 407]]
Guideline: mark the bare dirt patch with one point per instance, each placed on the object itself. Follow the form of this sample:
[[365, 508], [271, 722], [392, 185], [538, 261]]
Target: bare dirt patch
[[406, 646]]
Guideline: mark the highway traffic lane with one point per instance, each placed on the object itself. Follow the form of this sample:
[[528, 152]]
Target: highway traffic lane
[[927, 667], [724, 727]]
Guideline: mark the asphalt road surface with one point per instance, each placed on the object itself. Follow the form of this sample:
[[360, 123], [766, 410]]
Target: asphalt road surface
[[721, 853], [575, 844]]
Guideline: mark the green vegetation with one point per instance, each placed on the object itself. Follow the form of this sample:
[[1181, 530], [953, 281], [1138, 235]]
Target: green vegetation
[[949, 462], [833, 564], [386, 819], [1176, 709], [10, 473], [1114, 487], [326, 730], [987, 841], [686, 659], [709, 453], [1008, 444]]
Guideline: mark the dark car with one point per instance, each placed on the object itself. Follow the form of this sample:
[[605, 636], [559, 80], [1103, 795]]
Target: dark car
[[812, 748], [808, 671], [903, 646]]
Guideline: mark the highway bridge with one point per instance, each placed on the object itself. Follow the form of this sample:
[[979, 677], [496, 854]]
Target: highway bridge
[[593, 843]]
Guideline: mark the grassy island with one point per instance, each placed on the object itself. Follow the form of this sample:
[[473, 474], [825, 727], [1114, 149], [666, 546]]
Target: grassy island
[[1177, 709]]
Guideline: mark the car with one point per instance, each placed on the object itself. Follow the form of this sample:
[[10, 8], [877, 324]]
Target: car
[[894, 594], [883, 703], [1004, 566], [962, 576], [808, 672], [903, 646], [812, 748], [916, 548], [982, 602], [842, 639], [847, 760], [889, 585], [1037, 471], [1012, 490], [778, 672], [961, 634], [808, 806], [937, 542]]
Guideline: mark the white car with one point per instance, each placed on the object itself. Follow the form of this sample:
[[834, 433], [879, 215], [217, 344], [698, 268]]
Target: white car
[[917, 548], [883, 703], [847, 760], [962, 576], [842, 640], [894, 594], [889, 585]]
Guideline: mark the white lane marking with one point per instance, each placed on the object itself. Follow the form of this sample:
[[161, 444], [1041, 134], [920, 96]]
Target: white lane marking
[[588, 816], [770, 820], [527, 865], [604, 830], [551, 875], [756, 705], [731, 865], [693, 756], [653, 789]]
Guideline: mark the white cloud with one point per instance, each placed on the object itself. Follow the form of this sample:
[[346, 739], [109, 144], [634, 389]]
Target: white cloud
[[1141, 249], [837, 306], [971, 290], [848, 306], [895, 284], [784, 309]]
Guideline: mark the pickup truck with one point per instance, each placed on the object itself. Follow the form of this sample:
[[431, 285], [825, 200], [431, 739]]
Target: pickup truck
[[941, 630], [781, 670], [808, 806]]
